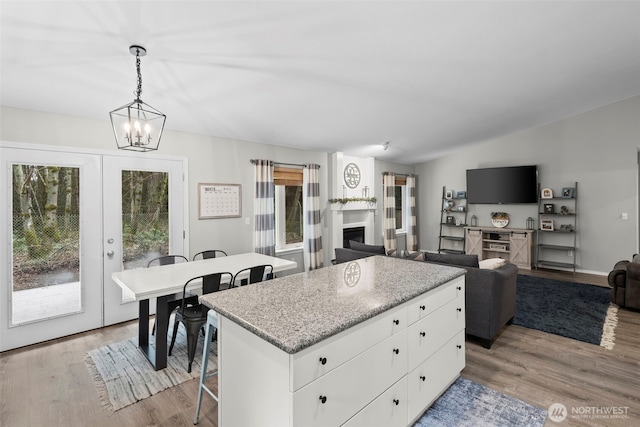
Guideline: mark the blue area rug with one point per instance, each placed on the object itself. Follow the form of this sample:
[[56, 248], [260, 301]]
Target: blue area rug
[[466, 403], [573, 310]]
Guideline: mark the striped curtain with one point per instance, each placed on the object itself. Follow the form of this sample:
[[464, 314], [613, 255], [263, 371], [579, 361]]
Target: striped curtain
[[264, 240], [312, 226], [389, 210], [412, 229]]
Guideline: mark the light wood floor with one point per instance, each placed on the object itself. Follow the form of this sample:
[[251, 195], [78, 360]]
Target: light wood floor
[[49, 385]]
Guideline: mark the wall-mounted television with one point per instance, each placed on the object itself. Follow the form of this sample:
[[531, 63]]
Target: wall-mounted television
[[504, 185]]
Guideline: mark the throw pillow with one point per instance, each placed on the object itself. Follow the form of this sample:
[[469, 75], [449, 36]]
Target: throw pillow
[[492, 263], [357, 246], [461, 260], [344, 255]]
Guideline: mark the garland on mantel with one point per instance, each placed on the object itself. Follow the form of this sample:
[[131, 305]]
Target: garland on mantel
[[346, 200]]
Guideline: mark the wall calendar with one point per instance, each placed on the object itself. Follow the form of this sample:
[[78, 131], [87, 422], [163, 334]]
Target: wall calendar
[[219, 201]]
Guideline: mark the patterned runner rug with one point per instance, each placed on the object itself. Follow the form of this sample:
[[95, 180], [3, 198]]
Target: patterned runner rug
[[469, 404], [123, 375]]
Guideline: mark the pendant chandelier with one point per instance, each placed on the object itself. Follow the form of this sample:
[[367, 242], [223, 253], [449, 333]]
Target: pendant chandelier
[[137, 126]]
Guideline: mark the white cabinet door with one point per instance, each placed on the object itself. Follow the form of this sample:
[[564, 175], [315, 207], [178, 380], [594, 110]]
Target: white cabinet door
[[332, 399], [388, 410]]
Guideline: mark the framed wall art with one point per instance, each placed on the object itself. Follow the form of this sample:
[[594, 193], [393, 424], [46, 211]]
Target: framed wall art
[[546, 193], [219, 201], [546, 224]]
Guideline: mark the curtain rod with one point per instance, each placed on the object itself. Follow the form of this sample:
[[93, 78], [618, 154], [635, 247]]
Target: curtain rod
[[253, 162], [398, 174]]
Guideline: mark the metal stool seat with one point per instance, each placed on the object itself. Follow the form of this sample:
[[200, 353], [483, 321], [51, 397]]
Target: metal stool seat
[[212, 325]]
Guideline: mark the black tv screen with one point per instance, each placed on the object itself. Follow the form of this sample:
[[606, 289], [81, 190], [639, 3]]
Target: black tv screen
[[506, 185]]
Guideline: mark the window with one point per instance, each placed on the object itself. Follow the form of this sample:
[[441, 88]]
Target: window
[[401, 204], [288, 209]]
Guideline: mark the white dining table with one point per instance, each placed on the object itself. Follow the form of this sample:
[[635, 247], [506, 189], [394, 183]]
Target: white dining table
[[161, 282]]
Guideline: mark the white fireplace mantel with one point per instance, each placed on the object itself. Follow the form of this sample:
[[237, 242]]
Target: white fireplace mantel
[[352, 177]]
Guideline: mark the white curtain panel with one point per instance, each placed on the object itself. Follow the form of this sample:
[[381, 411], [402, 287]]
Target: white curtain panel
[[389, 210], [264, 241], [312, 221], [412, 229]]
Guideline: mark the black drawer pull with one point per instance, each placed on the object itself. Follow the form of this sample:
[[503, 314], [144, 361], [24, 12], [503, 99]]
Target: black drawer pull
[[396, 401], [423, 334], [459, 346], [396, 350], [459, 288], [323, 360], [423, 378], [459, 309], [396, 321], [422, 307], [323, 399]]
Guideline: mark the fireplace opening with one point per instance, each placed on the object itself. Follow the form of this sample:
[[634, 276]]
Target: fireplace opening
[[354, 233]]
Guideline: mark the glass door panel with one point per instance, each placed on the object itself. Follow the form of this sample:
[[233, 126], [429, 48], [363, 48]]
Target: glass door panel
[[51, 220], [45, 242]]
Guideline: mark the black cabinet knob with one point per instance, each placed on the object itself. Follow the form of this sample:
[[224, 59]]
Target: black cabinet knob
[[459, 288], [459, 309], [396, 350], [423, 378], [396, 321], [423, 334], [323, 399], [396, 401], [323, 360], [459, 346], [422, 307]]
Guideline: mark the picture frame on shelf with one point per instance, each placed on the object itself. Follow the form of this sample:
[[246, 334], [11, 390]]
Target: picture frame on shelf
[[461, 194], [549, 208], [546, 224], [448, 194], [451, 220], [546, 193], [567, 193]]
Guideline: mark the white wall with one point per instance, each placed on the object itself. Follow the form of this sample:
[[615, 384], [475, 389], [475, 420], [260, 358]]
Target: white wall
[[211, 160], [598, 149]]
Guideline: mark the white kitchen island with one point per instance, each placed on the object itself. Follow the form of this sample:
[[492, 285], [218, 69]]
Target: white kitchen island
[[365, 343]]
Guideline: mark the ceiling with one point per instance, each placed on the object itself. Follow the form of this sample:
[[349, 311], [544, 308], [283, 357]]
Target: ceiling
[[428, 76]]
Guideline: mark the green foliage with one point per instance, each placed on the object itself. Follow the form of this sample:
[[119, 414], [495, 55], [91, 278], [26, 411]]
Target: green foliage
[[346, 200]]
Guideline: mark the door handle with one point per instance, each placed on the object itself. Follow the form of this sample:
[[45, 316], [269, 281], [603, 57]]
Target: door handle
[[110, 254]]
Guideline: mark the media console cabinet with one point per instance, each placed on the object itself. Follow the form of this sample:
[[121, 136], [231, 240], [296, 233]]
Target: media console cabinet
[[513, 244], [372, 342]]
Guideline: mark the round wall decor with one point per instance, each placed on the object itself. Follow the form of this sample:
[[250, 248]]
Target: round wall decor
[[351, 175], [500, 219]]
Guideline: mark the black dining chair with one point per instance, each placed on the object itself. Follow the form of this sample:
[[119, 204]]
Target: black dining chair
[[257, 273], [175, 300], [211, 253], [194, 316]]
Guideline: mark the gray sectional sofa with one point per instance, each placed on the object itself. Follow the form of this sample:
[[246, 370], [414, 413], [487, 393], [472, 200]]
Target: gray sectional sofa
[[490, 294]]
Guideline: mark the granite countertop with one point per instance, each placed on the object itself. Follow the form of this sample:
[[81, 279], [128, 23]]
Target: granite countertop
[[297, 311]]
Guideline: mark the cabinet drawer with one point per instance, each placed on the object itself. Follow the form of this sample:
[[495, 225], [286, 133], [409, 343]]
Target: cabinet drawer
[[388, 410], [327, 355], [430, 333], [335, 397], [432, 300], [427, 381]]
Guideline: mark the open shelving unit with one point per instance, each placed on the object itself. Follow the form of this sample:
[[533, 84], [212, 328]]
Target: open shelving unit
[[557, 232], [453, 219]]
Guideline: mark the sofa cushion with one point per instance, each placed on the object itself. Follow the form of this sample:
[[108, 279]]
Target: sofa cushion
[[461, 260], [492, 263], [346, 254], [357, 246]]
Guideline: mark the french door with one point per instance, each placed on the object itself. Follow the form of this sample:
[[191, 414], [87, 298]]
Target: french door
[[67, 221], [144, 218]]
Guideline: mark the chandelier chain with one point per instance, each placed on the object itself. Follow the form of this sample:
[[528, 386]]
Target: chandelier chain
[[139, 89]]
